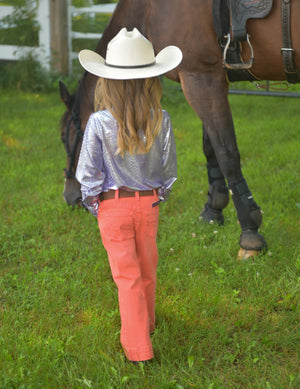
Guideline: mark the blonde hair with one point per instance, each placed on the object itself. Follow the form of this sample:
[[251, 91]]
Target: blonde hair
[[135, 104]]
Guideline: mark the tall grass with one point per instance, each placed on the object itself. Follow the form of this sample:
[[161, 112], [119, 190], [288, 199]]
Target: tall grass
[[221, 323]]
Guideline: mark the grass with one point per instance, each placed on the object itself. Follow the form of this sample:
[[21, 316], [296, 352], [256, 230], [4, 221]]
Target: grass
[[220, 323]]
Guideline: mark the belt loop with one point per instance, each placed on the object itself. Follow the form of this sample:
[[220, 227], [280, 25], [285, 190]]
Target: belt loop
[[154, 192], [117, 195], [137, 194]]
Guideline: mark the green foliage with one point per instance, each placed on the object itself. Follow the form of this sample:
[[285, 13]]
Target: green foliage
[[27, 75], [21, 26], [221, 323], [22, 29]]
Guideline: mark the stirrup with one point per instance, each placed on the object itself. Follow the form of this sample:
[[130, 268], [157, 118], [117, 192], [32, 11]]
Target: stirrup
[[245, 65]]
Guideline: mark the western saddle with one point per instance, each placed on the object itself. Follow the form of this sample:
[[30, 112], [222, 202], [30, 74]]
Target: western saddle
[[230, 23]]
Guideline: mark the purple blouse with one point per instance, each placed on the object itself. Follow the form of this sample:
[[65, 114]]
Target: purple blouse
[[100, 169]]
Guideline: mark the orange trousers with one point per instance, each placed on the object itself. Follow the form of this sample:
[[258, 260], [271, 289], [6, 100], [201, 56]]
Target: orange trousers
[[128, 228]]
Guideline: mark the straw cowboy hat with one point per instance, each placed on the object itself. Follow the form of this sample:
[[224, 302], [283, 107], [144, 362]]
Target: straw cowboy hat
[[130, 55]]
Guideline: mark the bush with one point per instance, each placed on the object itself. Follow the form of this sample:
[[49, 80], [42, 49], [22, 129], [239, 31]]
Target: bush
[[22, 29], [28, 75]]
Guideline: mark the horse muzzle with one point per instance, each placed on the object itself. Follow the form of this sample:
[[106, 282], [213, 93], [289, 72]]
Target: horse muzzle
[[72, 192]]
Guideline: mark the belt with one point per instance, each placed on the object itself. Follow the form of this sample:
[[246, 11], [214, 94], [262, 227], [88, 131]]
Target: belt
[[111, 194]]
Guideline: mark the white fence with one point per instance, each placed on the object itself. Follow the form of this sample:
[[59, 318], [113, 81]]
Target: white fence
[[44, 51], [101, 9]]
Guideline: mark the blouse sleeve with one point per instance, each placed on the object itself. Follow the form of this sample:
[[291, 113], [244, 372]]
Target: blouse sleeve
[[89, 171], [169, 160]]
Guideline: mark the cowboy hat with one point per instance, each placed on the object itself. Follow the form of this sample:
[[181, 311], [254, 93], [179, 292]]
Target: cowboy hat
[[130, 55]]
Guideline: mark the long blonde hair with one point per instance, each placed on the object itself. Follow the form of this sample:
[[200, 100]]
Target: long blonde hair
[[135, 104]]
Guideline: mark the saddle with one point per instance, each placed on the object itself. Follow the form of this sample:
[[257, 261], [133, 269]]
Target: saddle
[[230, 22]]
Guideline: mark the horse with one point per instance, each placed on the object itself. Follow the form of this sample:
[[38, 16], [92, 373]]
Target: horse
[[189, 24]]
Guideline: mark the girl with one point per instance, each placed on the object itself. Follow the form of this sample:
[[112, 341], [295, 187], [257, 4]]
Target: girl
[[127, 165]]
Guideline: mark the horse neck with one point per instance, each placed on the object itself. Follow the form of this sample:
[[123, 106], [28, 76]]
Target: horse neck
[[129, 14], [84, 98]]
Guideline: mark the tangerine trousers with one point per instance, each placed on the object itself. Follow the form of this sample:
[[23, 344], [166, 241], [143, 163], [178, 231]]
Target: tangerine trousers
[[128, 228]]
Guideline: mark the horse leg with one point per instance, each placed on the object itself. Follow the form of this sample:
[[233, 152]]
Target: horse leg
[[207, 94], [217, 195]]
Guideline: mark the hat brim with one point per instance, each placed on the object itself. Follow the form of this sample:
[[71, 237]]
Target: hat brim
[[166, 60]]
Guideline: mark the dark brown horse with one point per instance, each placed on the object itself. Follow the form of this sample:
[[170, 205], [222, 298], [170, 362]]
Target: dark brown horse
[[188, 24]]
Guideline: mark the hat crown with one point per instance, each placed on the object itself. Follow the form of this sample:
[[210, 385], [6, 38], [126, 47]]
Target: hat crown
[[129, 49]]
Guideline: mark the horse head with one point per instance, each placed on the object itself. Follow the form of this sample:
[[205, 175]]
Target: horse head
[[73, 122]]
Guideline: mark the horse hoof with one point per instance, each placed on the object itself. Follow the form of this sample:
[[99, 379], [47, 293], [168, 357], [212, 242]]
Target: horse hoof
[[251, 244], [244, 254], [252, 240], [211, 215]]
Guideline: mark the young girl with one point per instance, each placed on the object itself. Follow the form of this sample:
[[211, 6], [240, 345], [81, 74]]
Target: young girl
[[127, 165]]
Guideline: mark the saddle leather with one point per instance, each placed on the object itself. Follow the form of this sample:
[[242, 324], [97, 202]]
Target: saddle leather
[[288, 53], [242, 10], [221, 20], [230, 17]]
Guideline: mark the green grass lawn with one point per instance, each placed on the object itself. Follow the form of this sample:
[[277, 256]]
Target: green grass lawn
[[221, 323]]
